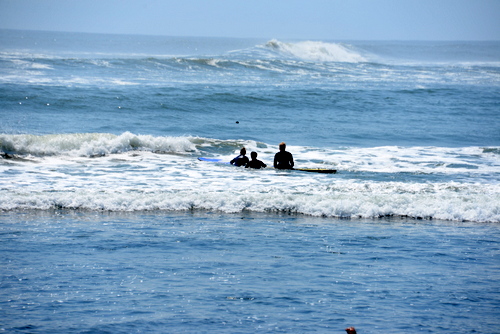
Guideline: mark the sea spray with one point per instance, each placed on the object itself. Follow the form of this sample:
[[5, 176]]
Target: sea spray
[[316, 51]]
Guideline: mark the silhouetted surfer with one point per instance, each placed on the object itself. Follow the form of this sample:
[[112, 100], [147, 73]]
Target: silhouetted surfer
[[283, 159], [255, 163], [240, 160]]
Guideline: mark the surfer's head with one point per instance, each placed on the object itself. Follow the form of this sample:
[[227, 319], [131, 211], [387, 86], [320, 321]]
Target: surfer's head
[[282, 146], [253, 155], [243, 151]]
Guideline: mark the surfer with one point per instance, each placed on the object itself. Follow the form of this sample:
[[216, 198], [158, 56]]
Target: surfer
[[283, 159], [255, 163], [240, 160], [350, 330]]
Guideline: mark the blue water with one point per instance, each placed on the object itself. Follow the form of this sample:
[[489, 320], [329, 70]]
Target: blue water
[[109, 223], [205, 273]]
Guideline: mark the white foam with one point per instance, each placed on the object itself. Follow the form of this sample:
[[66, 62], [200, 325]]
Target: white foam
[[39, 78], [394, 159], [62, 171], [143, 180], [337, 199], [91, 144], [316, 51]]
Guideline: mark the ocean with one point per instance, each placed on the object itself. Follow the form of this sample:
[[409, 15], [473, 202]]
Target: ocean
[[109, 223]]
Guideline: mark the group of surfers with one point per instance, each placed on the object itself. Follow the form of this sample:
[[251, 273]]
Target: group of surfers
[[282, 160]]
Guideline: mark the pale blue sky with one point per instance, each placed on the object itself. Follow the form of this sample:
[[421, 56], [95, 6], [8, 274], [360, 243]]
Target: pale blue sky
[[285, 19]]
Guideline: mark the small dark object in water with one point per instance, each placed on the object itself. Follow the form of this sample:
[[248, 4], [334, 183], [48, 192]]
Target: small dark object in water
[[6, 156]]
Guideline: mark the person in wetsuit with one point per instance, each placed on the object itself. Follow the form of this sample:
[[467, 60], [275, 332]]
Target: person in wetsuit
[[283, 159], [240, 160], [255, 163]]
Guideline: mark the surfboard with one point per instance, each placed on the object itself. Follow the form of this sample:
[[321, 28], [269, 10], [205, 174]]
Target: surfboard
[[317, 170], [220, 161], [310, 170]]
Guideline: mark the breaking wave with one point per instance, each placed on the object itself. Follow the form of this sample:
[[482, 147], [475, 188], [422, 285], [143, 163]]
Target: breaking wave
[[338, 199], [90, 144], [316, 51]]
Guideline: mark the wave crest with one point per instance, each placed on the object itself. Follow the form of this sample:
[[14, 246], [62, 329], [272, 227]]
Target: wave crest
[[348, 199], [316, 51], [91, 144]]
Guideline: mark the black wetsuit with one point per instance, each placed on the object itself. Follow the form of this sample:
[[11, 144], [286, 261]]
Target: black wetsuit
[[283, 160], [240, 160], [255, 164]]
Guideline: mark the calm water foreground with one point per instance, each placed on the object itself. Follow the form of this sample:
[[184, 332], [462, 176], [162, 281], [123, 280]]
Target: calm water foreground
[[205, 272]]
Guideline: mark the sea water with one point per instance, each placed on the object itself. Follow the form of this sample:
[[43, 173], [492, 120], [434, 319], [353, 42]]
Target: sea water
[[110, 224]]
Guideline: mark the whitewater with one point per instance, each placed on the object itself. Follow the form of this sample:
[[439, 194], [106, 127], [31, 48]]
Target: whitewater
[[133, 172]]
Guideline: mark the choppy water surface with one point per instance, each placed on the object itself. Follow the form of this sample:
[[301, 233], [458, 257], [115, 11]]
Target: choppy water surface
[[204, 272], [109, 223]]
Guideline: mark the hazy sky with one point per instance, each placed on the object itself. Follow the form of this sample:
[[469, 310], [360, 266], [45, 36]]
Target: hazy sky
[[287, 19]]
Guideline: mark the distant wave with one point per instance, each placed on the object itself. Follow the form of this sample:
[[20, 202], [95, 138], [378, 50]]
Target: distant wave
[[316, 51], [262, 64]]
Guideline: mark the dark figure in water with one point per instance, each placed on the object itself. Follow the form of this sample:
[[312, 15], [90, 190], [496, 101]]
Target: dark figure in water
[[240, 160], [255, 163], [283, 159], [350, 330]]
